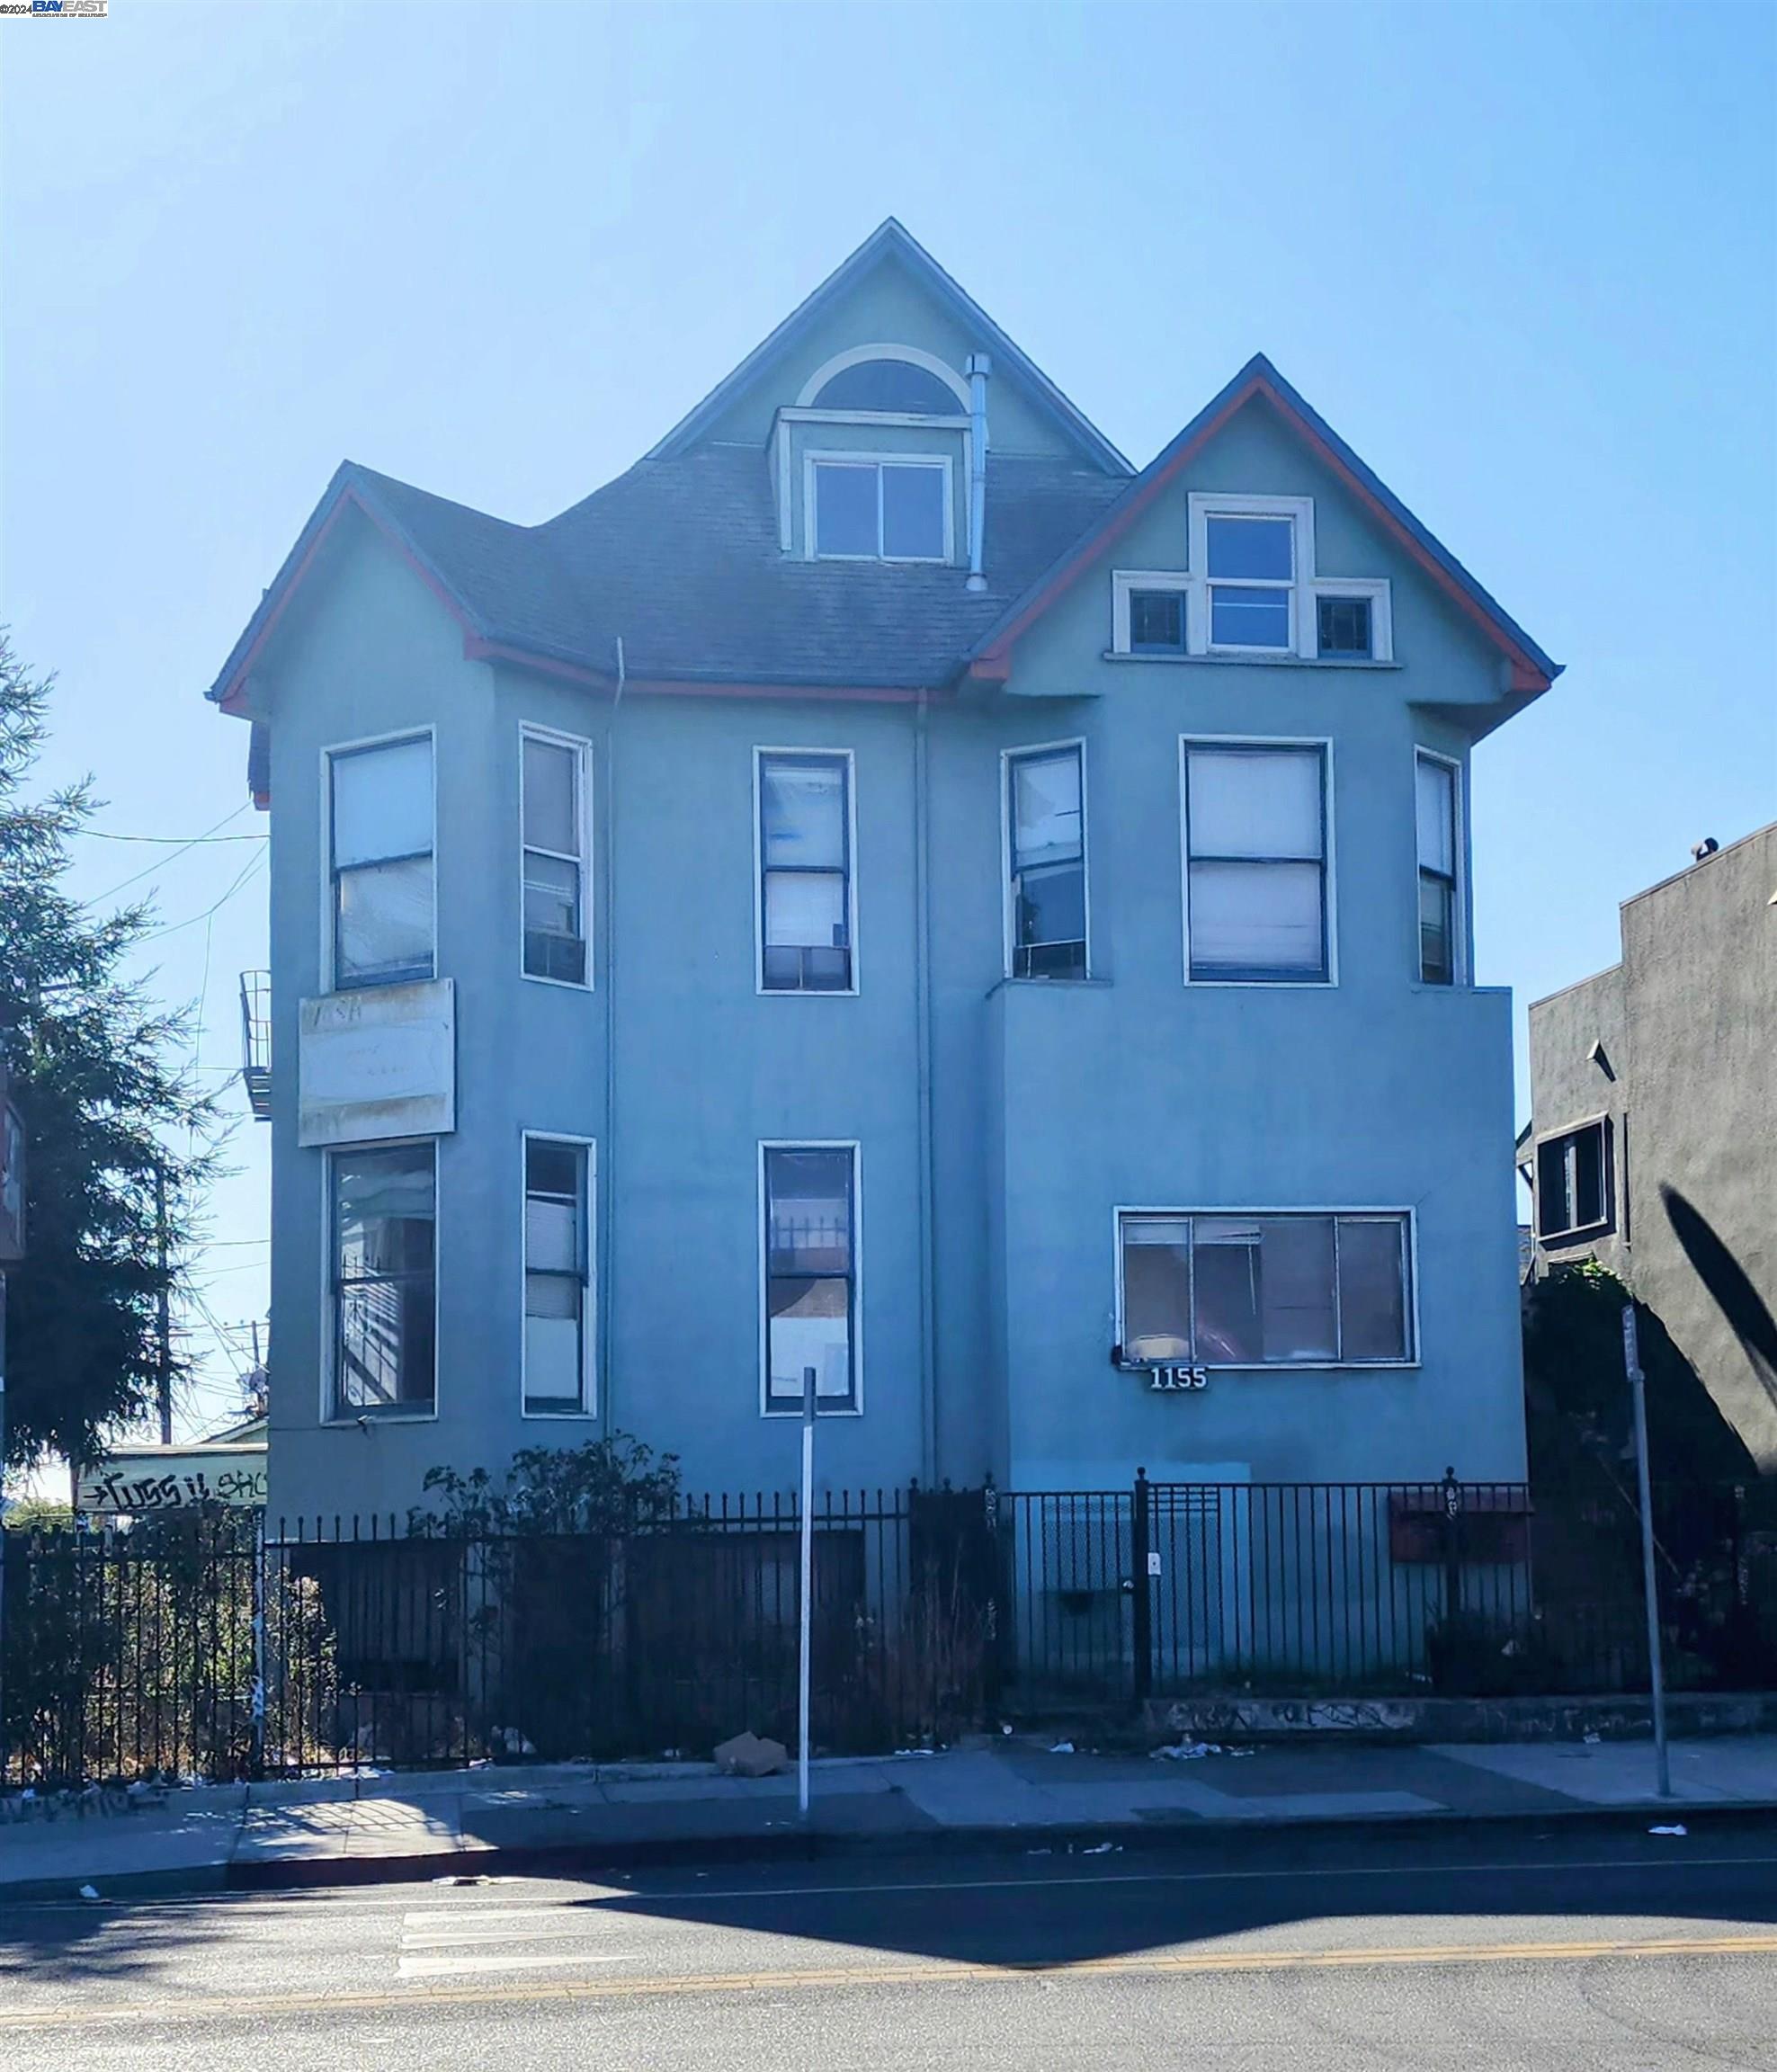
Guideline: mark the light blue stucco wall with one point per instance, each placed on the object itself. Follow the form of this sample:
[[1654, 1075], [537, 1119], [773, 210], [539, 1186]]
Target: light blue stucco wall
[[1050, 1104]]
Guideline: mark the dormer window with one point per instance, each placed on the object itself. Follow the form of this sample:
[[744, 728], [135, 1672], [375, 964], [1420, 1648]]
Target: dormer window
[[1250, 591], [1252, 572], [863, 507]]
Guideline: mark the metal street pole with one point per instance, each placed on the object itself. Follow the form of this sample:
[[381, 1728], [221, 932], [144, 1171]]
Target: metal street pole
[[807, 1582], [163, 1317], [1631, 1359]]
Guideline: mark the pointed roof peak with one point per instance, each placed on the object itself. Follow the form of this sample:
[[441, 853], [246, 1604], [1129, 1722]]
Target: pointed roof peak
[[891, 236]]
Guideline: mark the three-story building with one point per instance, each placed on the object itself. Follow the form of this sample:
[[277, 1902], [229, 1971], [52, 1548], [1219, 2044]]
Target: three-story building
[[884, 888]]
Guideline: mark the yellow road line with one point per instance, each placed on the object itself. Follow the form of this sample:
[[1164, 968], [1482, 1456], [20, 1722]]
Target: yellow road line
[[930, 1972]]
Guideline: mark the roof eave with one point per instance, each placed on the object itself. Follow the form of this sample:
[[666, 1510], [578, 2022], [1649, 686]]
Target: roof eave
[[347, 490]]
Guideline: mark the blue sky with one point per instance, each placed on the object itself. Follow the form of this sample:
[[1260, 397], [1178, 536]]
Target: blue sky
[[1525, 259]]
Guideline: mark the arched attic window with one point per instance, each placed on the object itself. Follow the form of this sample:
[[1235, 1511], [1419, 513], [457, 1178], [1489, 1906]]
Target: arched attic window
[[888, 378]]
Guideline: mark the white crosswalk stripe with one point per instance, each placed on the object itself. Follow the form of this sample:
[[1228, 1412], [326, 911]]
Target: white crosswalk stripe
[[451, 1942]]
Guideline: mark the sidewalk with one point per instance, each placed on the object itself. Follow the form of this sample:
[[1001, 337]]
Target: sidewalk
[[1017, 1792]]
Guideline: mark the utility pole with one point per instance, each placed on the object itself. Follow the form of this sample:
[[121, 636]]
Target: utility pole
[[805, 1653], [162, 1309], [1631, 1360], [11, 1250]]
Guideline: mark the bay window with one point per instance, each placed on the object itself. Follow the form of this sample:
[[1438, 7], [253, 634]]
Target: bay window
[[384, 1279], [805, 898], [558, 1277], [809, 1204], [380, 861], [1234, 1290], [553, 831], [1046, 864], [1255, 845], [1434, 813]]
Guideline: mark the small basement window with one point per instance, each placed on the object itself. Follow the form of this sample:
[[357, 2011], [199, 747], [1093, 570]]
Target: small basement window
[[1344, 626], [1572, 1190]]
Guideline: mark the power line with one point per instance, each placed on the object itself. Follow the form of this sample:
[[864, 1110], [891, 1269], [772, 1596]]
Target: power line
[[161, 863], [191, 920], [180, 841]]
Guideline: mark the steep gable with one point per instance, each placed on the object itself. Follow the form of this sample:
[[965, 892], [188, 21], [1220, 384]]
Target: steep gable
[[892, 291]]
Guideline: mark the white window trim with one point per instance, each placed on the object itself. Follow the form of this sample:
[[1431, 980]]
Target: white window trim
[[855, 1408], [1607, 1191], [582, 750], [760, 755], [1376, 1210], [331, 1416], [1201, 507], [1329, 862], [328, 974], [1008, 756], [1124, 582], [1460, 975], [1376, 589], [856, 355], [878, 460], [589, 1379]]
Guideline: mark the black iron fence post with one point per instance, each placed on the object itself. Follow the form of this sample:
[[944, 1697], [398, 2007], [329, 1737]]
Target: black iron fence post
[[991, 1679], [1141, 1605], [1452, 1539]]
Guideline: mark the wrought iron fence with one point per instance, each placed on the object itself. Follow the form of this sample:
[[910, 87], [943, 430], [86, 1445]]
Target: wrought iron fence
[[223, 1645]]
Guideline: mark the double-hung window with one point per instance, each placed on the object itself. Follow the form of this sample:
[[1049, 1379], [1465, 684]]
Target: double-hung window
[[1435, 812], [1573, 1183], [810, 1244], [1256, 862], [380, 823], [805, 873], [384, 1279], [861, 509], [552, 812], [1046, 865], [558, 1277], [1251, 567], [1230, 1289]]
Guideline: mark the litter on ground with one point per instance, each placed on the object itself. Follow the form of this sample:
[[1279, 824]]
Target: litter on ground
[[1062, 1749], [1678, 1828]]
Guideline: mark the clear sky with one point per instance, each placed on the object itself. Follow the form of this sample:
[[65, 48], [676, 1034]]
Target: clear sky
[[1525, 259]]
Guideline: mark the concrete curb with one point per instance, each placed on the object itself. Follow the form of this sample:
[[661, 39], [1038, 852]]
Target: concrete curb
[[542, 1859]]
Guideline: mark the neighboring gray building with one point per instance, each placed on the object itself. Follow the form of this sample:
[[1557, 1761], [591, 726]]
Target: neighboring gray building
[[1653, 1142], [884, 887]]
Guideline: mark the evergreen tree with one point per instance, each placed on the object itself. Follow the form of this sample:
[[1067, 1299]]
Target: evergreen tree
[[106, 1105]]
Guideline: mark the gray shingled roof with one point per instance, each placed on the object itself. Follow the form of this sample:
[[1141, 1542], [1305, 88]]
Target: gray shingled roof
[[680, 558]]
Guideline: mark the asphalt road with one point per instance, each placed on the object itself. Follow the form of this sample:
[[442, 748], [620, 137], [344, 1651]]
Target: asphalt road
[[1607, 1948]]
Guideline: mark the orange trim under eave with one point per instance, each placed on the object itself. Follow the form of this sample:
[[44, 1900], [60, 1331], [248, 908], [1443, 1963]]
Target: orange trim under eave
[[477, 649], [995, 662], [230, 699], [854, 694], [1428, 561]]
